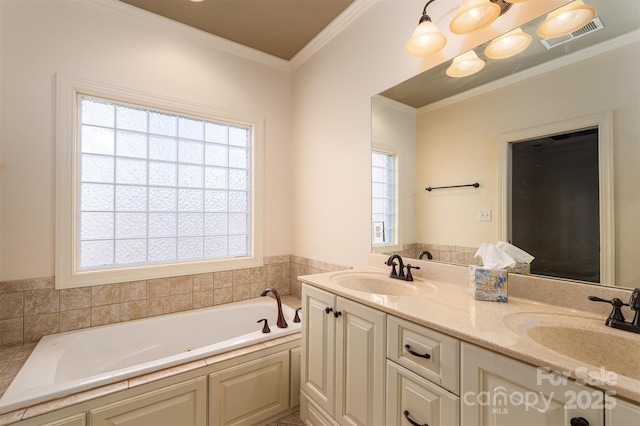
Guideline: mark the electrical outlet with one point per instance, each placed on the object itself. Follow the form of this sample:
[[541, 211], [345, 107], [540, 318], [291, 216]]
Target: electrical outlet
[[484, 215]]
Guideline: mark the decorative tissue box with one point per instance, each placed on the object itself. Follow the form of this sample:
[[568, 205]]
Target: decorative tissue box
[[488, 284], [520, 268]]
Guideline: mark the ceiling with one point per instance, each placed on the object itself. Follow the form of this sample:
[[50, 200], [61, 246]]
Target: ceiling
[[278, 27]]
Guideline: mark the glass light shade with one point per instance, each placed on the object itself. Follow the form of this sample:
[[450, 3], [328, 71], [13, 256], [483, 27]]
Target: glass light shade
[[508, 44], [566, 19], [473, 15], [464, 65], [426, 40]]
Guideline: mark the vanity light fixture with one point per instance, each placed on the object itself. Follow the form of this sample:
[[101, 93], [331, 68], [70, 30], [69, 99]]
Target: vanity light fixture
[[464, 65], [507, 45], [474, 15], [426, 39], [566, 19]]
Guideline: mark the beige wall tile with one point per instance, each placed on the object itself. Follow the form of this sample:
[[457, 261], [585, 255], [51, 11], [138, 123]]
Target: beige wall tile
[[108, 294], [241, 277], [202, 299], [222, 296], [40, 325], [181, 302], [105, 314], [274, 271], [257, 289], [75, 298], [39, 302], [259, 275], [241, 292], [203, 282], [286, 270], [133, 310], [277, 259], [160, 287], [181, 285], [75, 319], [11, 305], [222, 279], [158, 306], [28, 284], [11, 331], [134, 290]]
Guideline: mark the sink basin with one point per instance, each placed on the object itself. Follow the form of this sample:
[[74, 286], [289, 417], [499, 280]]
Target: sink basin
[[583, 339], [377, 283]]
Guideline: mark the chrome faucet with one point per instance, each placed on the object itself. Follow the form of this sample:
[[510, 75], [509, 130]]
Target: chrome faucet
[[425, 253], [399, 275], [282, 323], [616, 319]]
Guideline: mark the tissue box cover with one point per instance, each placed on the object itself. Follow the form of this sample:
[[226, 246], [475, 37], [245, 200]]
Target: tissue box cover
[[520, 268], [488, 284]]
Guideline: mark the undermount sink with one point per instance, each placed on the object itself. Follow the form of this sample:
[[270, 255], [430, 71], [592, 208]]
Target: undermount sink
[[583, 339], [378, 283]]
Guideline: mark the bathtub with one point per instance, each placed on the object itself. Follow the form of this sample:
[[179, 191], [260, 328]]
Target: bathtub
[[66, 363]]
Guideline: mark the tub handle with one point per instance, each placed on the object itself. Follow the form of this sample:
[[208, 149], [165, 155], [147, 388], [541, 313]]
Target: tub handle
[[296, 318], [265, 328]]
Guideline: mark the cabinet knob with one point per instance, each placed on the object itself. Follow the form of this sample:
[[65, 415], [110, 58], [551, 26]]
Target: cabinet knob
[[406, 416], [328, 310], [337, 314], [579, 421]]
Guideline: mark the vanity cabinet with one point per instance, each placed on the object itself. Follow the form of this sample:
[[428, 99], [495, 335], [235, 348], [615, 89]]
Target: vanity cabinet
[[497, 390], [343, 361], [621, 413], [422, 375]]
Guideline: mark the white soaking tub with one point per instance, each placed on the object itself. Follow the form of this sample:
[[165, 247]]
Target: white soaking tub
[[66, 363]]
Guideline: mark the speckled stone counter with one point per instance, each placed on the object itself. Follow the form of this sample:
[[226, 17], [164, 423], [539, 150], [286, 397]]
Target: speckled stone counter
[[452, 310]]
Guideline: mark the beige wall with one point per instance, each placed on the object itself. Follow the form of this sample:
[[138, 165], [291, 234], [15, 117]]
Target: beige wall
[[331, 133], [456, 144], [86, 40]]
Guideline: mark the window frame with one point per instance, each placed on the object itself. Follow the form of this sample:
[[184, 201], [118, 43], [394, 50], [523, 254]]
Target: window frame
[[396, 244], [67, 221]]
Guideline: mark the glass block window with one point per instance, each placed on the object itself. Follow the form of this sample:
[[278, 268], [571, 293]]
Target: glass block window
[[383, 203], [158, 187]]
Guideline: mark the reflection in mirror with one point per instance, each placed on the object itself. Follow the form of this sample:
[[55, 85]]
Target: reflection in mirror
[[458, 134]]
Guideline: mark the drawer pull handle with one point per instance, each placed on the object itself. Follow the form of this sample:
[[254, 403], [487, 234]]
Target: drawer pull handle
[[406, 416], [408, 348]]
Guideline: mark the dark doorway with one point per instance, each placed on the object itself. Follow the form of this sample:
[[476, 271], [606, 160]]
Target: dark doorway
[[555, 204]]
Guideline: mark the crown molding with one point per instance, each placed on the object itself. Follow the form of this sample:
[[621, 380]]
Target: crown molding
[[615, 43], [353, 12], [214, 41], [390, 103]]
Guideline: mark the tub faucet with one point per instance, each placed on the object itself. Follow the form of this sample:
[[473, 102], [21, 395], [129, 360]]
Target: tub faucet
[[282, 323], [425, 253]]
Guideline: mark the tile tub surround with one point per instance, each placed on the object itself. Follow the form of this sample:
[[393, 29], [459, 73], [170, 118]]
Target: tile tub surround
[[32, 308], [12, 358]]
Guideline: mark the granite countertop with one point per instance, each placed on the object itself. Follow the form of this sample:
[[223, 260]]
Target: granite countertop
[[450, 309]]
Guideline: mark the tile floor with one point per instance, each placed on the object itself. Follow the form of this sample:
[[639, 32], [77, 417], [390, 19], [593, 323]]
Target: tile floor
[[290, 420]]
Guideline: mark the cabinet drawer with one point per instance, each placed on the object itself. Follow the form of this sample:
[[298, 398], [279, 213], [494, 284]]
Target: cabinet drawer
[[410, 396], [442, 366]]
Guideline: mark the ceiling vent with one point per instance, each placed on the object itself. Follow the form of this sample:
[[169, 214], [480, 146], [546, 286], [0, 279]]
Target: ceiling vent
[[592, 26]]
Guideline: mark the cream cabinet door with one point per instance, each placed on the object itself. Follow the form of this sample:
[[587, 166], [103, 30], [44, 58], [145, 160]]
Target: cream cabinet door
[[500, 391], [251, 392], [360, 364], [411, 398], [621, 413], [294, 380], [184, 404], [318, 346]]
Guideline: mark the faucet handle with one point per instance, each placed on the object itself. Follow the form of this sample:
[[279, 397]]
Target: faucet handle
[[409, 275], [634, 300], [616, 313], [393, 264]]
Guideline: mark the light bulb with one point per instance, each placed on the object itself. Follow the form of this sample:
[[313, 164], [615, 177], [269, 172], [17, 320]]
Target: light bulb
[[473, 15]]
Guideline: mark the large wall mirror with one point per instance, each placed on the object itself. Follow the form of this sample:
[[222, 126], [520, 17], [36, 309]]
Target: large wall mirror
[[438, 131]]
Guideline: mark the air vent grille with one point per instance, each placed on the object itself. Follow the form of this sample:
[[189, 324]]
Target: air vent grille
[[594, 25]]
